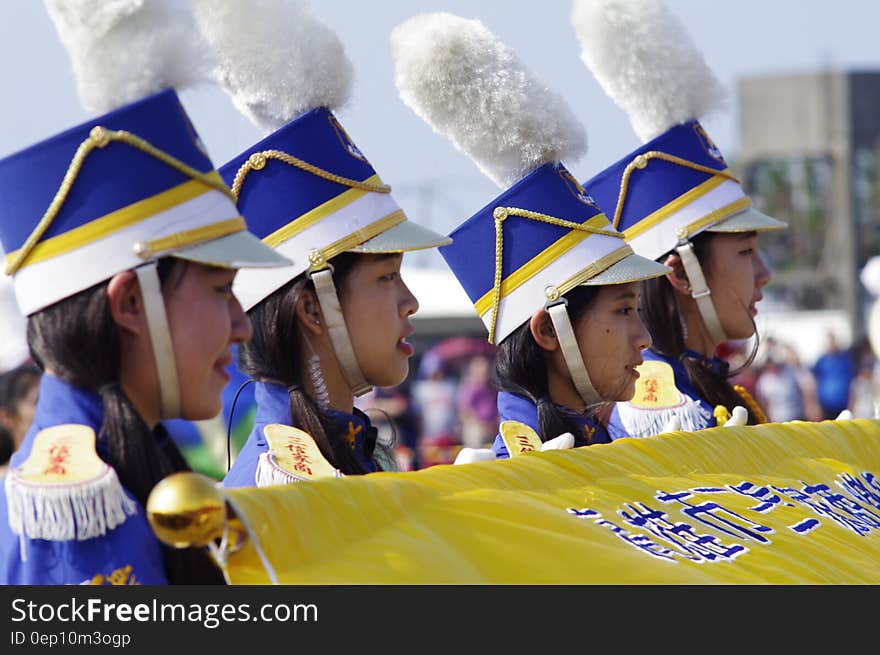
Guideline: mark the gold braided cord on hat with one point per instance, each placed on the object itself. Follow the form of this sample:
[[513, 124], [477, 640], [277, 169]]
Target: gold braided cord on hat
[[501, 214], [641, 161], [257, 161], [100, 137]]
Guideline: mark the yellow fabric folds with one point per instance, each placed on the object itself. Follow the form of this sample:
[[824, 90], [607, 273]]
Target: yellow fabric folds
[[777, 503]]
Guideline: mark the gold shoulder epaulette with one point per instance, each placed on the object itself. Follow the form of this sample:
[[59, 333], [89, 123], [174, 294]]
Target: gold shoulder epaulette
[[657, 401], [519, 438], [63, 490], [293, 456]]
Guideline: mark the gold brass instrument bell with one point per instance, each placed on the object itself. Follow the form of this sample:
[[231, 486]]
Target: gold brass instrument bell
[[188, 510]]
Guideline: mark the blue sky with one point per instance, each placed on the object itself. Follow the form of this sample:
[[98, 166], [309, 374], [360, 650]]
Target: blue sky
[[435, 183]]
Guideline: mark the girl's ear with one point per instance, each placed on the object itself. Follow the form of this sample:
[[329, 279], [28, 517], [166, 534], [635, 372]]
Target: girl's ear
[[543, 332], [126, 303], [308, 312], [677, 278]]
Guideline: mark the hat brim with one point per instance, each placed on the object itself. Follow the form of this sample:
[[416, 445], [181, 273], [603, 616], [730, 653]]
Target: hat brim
[[238, 250], [403, 237], [632, 268], [750, 220]]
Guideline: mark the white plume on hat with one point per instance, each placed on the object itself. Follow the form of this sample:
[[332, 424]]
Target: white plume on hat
[[459, 78], [124, 50], [645, 60], [275, 58]]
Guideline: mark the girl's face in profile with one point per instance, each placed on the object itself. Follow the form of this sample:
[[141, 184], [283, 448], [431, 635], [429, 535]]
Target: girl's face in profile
[[736, 274], [376, 305], [611, 337], [205, 319]]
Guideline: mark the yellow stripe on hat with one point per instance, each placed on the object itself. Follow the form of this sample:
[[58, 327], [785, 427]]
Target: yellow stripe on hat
[[319, 213], [117, 220], [652, 220], [550, 254]]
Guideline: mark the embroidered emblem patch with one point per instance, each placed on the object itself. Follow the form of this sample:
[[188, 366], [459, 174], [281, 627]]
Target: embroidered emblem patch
[[519, 438], [657, 401], [295, 453], [575, 187], [347, 143], [708, 144]]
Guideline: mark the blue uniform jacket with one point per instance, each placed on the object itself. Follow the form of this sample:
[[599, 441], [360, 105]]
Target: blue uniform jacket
[[273, 406], [705, 418], [126, 554], [513, 407]]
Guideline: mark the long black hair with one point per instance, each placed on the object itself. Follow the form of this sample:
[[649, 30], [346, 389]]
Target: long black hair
[[78, 341], [662, 316], [274, 353], [521, 368]]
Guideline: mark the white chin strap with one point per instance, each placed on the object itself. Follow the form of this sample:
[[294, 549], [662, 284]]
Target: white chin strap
[[571, 353], [336, 328], [700, 290], [160, 338]]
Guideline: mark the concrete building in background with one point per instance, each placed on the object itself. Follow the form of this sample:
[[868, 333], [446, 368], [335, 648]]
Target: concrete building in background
[[810, 154]]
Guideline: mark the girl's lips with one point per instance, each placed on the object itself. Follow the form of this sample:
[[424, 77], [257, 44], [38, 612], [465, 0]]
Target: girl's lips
[[405, 346]]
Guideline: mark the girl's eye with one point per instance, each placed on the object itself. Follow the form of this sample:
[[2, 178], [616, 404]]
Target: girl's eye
[[226, 289], [747, 251], [626, 311], [390, 277]]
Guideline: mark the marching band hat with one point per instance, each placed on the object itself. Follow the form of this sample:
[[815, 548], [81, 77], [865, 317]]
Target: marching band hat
[[120, 190], [677, 184], [311, 194], [534, 243], [308, 191], [543, 235]]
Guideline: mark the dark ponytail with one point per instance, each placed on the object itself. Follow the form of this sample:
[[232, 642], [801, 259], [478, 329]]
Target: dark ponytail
[[274, 353], [521, 368], [79, 342], [661, 315]]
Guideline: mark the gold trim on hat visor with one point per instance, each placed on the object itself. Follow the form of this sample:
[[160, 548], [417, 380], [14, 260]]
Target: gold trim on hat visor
[[359, 236], [98, 138], [184, 238]]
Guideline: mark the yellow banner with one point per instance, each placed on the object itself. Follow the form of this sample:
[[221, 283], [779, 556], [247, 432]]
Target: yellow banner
[[779, 503]]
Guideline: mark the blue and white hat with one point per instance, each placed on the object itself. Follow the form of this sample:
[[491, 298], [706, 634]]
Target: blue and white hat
[[308, 190], [677, 184], [673, 187], [123, 190], [534, 243], [543, 235], [111, 194], [311, 194]]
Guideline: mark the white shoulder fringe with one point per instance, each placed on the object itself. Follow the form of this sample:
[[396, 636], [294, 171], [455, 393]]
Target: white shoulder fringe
[[67, 511], [641, 422]]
